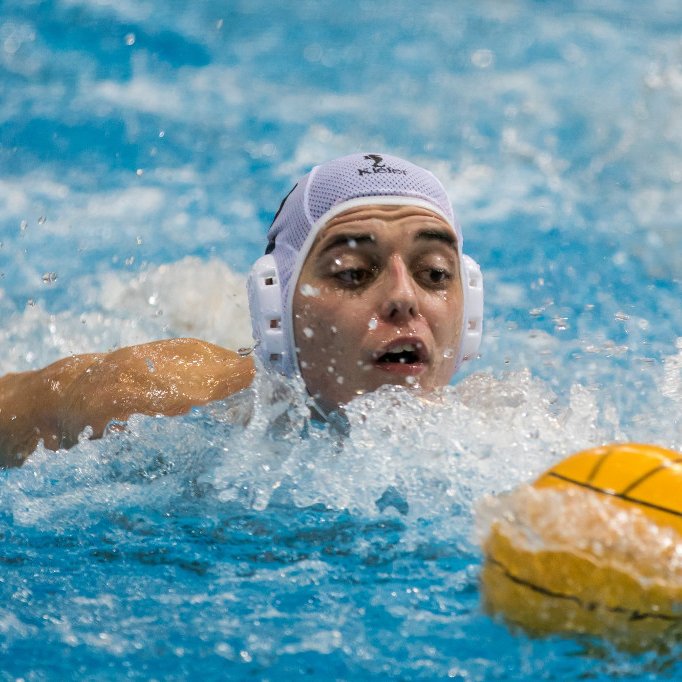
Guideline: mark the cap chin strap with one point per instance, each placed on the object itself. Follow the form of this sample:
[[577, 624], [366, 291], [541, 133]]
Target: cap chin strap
[[273, 347]]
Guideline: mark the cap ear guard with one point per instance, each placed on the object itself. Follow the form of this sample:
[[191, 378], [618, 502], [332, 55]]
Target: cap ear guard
[[265, 302], [472, 327]]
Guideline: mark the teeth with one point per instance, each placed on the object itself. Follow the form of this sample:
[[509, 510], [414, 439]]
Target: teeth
[[398, 348], [405, 347]]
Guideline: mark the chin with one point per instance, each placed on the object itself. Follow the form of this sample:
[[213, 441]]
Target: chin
[[333, 402]]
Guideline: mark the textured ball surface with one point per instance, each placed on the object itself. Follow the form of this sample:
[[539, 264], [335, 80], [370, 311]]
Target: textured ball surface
[[594, 546]]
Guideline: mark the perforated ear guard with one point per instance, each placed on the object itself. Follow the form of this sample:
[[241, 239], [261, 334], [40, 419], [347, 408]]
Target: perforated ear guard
[[472, 327], [265, 302]]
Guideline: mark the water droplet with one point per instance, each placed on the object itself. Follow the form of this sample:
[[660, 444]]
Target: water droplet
[[49, 277], [373, 323], [139, 172], [483, 58], [42, 220], [352, 243], [150, 365], [411, 380], [162, 133], [225, 650], [308, 332], [339, 380], [449, 353], [620, 258], [23, 226], [560, 323], [308, 290], [219, 24], [130, 39]]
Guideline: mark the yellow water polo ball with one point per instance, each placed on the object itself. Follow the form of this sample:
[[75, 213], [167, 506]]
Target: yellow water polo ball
[[593, 546]]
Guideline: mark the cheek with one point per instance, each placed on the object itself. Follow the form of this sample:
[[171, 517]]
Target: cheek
[[304, 322], [328, 331], [446, 315], [313, 312], [314, 324]]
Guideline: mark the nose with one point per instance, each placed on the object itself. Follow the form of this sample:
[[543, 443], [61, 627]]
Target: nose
[[400, 302]]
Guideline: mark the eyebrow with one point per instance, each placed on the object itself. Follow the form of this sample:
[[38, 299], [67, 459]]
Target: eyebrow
[[428, 234], [345, 239], [438, 235]]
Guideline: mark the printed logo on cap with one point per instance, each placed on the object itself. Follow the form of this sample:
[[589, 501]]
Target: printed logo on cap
[[378, 166]]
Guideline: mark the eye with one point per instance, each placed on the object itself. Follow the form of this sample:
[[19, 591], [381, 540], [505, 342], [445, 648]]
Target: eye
[[435, 277], [353, 277]]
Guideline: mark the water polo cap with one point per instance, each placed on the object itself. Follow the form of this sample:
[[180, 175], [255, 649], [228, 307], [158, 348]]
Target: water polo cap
[[330, 189]]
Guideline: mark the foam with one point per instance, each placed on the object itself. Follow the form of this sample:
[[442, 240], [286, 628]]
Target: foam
[[671, 383], [623, 538], [431, 460], [191, 297]]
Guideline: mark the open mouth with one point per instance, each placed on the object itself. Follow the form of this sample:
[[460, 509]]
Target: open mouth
[[402, 354]]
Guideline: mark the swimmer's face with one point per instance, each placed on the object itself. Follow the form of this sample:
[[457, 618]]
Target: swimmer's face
[[378, 301]]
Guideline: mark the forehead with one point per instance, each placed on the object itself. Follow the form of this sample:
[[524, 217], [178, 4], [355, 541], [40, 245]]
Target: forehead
[[382, 222]]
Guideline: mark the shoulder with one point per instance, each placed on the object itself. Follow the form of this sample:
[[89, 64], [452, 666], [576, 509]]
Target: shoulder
[[158, 378], [162, 377], [190, 370], [194, 352]]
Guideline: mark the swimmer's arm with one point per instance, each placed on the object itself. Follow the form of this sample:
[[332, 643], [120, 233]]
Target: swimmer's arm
[[29, 405], [168, 377]]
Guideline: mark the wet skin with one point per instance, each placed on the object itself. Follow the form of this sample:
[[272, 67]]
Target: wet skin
[[56, 403], [378, 279]]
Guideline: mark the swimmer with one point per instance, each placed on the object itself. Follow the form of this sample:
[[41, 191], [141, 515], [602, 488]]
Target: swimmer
[[363, 283]]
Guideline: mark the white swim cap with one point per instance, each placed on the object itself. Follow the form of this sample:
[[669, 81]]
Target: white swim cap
[[330, 189]]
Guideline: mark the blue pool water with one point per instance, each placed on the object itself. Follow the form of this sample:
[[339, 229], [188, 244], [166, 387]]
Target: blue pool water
[[144, 146]]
